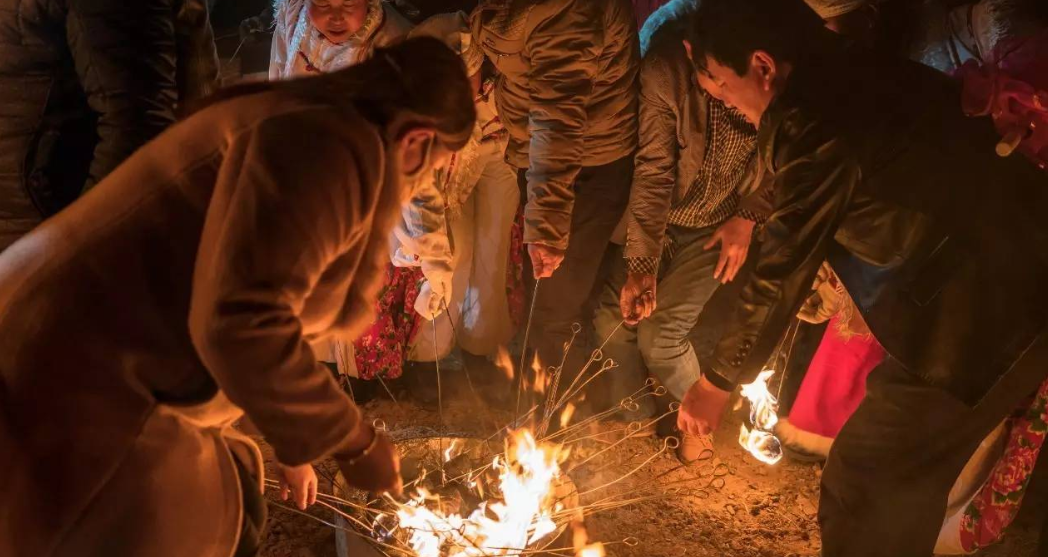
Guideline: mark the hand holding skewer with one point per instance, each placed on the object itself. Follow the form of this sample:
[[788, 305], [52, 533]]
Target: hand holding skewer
[[637, 300]]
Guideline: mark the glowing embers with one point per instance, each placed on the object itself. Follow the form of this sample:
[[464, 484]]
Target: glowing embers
[[760, 441]]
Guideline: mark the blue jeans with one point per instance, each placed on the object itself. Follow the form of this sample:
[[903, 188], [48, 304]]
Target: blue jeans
[[659, 345]]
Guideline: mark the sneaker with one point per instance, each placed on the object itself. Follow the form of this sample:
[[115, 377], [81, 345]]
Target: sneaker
[[694, 448]]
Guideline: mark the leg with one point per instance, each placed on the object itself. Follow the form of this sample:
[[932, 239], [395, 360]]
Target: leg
[[682, 292], [891, 468], [601, 195], [621, 347], [485, 317]]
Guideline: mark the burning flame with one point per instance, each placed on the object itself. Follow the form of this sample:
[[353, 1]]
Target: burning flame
[[449, 453], [592, 550], [503, 362], [760, 441], [540, 376], [523, 516], [566, 414]]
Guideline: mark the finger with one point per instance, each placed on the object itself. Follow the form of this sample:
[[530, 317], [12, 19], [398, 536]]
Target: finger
[[740, 260], [301, 494], [737, 261], [284, 491], [312, 499], [721, 264], [626, 307]]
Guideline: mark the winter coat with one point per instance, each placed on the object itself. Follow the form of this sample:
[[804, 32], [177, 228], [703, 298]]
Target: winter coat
[[181, 292], [877, 169], [567, 94], [382, 26], [83, 84], [674, 122]]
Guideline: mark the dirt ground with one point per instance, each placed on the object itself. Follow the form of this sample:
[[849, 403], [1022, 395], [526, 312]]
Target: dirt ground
[[728, 506]]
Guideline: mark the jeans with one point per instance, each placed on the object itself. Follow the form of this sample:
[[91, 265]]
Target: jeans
[[601, 195], [885, 486], [658, 346]]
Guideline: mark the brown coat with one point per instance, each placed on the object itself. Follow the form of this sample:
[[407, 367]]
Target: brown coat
[[194, 275], [567, 94]]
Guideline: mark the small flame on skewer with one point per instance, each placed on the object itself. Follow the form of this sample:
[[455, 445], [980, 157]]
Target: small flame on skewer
[[760, 441]]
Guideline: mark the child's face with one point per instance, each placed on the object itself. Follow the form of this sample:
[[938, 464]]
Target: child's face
[[337, 20]]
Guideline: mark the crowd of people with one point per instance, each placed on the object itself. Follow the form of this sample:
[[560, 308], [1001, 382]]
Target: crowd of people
[[405, 189]]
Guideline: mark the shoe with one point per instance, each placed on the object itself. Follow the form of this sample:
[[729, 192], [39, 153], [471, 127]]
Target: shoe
[[694, 448]]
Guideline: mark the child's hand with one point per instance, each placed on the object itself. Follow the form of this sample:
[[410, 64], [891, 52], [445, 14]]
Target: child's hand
[[300, 482]]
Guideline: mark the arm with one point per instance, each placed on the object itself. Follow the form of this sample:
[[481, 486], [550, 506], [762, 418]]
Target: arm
[[124, 54], [758, 194], [277, 220], [423, 237], [813, 183], [655, 171], [278, 49], [563, 63]]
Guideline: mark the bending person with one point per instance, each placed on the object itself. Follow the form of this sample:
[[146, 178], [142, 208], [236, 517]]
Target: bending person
[[875, 168], [184, 291]]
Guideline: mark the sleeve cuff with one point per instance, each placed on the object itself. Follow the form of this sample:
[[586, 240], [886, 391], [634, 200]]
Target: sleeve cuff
[[753, 216], [642, 265], [719, 381]]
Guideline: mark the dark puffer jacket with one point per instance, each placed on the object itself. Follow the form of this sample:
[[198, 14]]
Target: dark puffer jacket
[[83, 84]]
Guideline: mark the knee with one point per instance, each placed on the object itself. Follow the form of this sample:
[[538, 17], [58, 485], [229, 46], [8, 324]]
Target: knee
[[656, 337]]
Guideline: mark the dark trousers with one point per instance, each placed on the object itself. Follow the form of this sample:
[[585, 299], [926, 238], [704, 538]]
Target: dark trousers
[[601, 196], [891, 468]]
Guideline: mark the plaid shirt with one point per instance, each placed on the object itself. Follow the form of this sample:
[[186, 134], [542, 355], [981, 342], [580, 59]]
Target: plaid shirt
[[713, 197]]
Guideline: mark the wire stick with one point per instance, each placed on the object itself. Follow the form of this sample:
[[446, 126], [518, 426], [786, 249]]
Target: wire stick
[[524, 351]]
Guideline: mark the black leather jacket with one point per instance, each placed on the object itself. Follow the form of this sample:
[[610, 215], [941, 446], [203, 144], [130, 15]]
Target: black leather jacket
[[876, 168], [83, 83]]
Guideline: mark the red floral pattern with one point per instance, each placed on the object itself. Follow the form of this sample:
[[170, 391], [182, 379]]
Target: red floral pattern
[[381, 351], [997, 502], [515, 270]]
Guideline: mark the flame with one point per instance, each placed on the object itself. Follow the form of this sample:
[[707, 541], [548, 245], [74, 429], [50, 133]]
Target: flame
[[759, 441], [592, 550], [527, 477], [503, 362], [566, 414], [448, 454], [540, 375]]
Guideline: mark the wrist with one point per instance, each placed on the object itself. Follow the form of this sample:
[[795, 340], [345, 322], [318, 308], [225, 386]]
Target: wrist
[[358, 444], [714, 383]]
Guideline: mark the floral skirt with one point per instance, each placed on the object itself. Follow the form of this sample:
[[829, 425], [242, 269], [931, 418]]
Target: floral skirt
[[380, 352], [995, 505]]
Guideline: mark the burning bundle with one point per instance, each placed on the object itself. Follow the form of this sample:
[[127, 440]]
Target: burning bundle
[[761, 441], [464, 504]]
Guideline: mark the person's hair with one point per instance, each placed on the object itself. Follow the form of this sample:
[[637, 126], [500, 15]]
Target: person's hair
[[730, 31], [416, 82]]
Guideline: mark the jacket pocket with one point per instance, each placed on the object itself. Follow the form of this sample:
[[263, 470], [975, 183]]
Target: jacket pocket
[[940, 266]]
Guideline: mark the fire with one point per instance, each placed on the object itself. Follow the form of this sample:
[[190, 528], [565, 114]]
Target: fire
[[503, 362], [566, 414], [592, 550], [449, 453], [523, 515], [540, 376], [760, 441]]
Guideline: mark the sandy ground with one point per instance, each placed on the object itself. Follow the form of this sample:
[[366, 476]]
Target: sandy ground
[[727, 506]]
